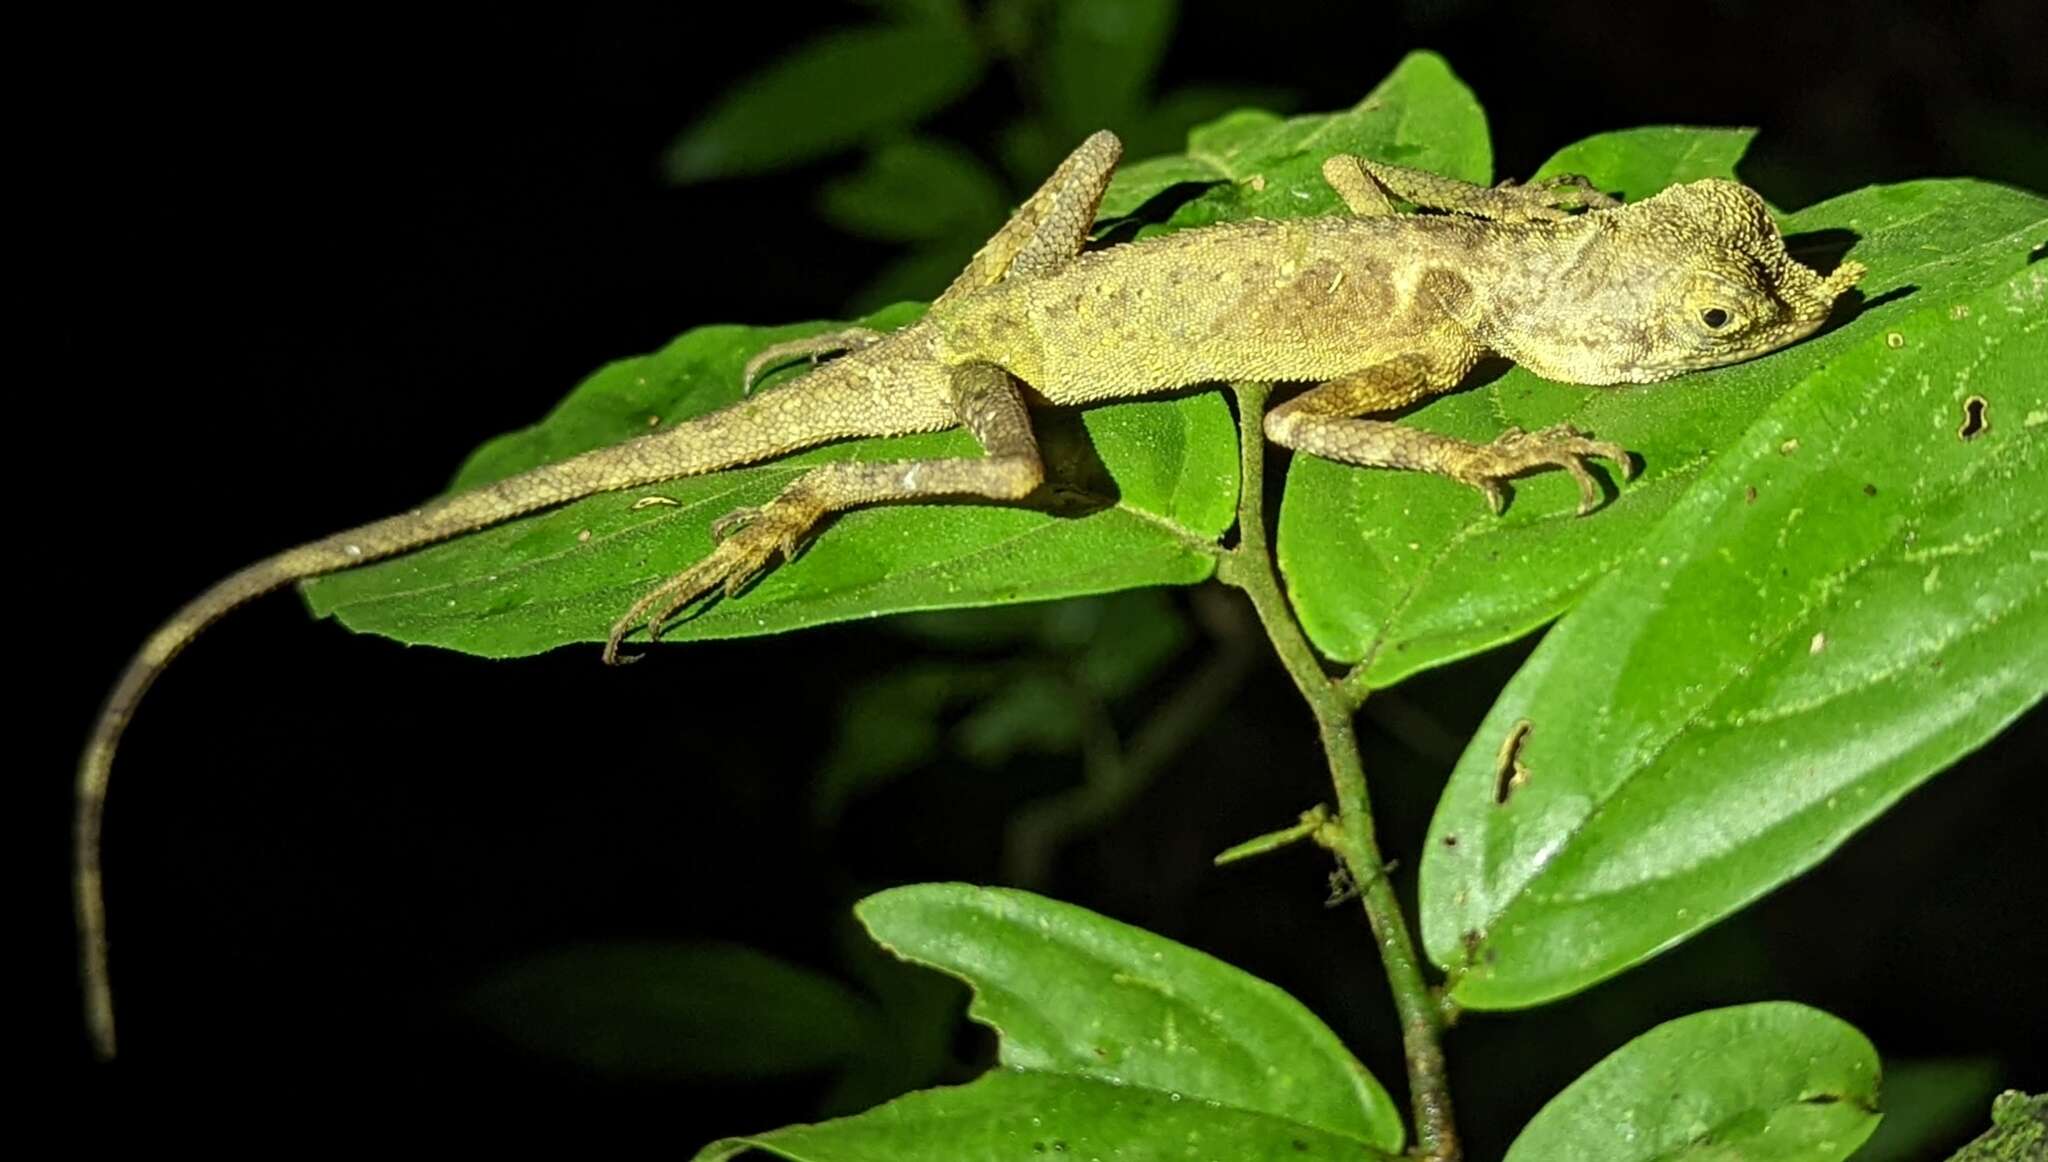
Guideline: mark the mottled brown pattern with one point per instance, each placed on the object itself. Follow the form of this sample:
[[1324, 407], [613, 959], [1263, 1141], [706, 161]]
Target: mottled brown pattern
[[1383, 308]]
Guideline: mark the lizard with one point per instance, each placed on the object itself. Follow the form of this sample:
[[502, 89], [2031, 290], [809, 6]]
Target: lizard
[[1378, 309]]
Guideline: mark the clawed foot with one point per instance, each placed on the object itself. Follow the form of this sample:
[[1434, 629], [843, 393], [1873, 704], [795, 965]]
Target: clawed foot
[[749, 540], [1516, 451]]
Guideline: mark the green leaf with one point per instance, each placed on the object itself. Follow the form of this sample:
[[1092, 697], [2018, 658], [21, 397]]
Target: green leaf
[[562, 576], [916, 191], [1636, 163], [1840, 605], [1765, 1083], [1260, 166], [1164, 125], [667, 1011], [1137, 183], [1100, 60], [1399, 571], [1010, 1114], [1076, 994], [828, 95], [1114, 1043]]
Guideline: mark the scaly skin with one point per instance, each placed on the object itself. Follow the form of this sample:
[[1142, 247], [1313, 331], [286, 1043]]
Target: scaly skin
[[1381, 309]]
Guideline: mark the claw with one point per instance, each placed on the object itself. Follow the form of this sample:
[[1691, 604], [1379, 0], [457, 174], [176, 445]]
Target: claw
[[734, 521], [1496, 494], [1559, 446], [748, 540]]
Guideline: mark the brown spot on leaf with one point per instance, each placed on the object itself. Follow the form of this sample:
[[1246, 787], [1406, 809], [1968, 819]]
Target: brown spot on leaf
[[1976, 420], [1509, 775]]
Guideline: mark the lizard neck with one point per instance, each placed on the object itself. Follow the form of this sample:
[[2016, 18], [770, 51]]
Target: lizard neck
[[1547, 286]]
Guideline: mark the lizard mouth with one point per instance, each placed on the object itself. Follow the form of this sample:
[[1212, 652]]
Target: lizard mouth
[[1809, 299]]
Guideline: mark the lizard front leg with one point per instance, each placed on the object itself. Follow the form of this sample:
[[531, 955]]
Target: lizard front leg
[[1369, 187], [988, 404], [1322, 422]]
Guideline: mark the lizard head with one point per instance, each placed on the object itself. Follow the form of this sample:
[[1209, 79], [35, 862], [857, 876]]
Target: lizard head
[[1694, 277]]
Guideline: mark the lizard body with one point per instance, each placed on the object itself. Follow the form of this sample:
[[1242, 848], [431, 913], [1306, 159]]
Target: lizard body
[[1380, 309]]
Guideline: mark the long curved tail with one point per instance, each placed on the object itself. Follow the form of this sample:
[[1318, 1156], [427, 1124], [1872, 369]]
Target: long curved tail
[[853, 396]]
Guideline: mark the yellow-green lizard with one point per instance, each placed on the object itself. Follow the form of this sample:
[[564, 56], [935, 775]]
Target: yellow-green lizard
[[1377, 308]]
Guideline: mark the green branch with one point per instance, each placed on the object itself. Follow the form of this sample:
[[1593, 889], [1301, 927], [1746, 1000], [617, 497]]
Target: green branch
[[1250, 567]]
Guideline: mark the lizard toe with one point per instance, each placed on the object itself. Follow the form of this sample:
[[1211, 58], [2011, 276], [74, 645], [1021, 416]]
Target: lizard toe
[[731, 523]]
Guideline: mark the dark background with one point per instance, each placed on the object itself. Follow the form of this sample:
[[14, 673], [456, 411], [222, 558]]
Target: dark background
[[297, 270]]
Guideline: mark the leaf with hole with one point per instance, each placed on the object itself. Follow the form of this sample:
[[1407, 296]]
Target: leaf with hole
[[1396, 572], [1839, 606]]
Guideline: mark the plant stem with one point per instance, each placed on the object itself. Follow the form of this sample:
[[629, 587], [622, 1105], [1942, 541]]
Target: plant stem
[[1250, 567]]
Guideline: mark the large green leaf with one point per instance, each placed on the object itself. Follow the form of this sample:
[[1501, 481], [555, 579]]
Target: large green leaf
[[1016, 1115], [829, 94], [1764, 1083], [563, 575], [1262, 166], [1849, 598], [1398, 571], [1114, 1043], [1639, 162]]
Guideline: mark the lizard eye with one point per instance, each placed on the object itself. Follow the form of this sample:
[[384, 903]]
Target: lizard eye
[[1714, 317]]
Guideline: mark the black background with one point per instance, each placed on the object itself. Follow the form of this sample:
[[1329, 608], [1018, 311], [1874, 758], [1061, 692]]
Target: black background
[[292, 271]]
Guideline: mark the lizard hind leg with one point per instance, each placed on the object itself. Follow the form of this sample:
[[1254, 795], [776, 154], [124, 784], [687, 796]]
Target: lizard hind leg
[[988, 404], [1369, 187], [1051, 227]]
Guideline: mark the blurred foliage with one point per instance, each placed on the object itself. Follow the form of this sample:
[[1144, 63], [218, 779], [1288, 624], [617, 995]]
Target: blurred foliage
[[1927, 1104], [877, 90]]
